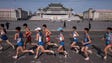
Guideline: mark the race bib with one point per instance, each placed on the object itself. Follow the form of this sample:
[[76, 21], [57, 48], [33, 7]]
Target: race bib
[[18, 40]]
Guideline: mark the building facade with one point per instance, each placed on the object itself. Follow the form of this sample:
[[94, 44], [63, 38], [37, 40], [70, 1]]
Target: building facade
[[8, 14], [22, 14], [97, 14], [55, 11], [102, 15], [13, 14]]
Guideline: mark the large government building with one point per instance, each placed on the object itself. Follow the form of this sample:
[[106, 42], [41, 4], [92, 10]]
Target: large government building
[[97, 14], [13, 14], [55, 11]]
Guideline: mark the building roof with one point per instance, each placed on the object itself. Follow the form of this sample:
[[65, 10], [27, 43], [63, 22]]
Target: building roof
[[103, 11], [7, 9], [55, 7]]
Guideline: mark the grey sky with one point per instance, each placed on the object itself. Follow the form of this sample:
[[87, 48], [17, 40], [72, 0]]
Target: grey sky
[[77, 5]]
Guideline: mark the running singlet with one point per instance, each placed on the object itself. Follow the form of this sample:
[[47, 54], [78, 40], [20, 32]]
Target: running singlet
[[75, 39], [61, 40], [40, 41], [111, 38], [86, 39], [108, 38], [47, 36], [20, 40], [3, 35], [28, 38]]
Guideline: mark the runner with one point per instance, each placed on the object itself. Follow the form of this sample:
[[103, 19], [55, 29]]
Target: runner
[[27, 35], [47, 33], [20, 43], [4, 37], [61, 48], [39, 39], [108, 41], [75, 40], [86, 43]]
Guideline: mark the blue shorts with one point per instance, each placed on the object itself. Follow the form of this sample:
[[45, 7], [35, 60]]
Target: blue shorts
[[4, 37], [88, 45], [75, 40], [41, 43], [62, 43], [20, 43], [107, 42]]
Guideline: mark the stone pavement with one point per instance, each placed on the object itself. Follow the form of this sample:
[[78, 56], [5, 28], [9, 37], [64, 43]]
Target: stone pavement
[[53, 25], [95, 57]]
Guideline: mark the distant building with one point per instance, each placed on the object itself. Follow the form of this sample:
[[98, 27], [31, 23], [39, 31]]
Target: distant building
[[8, 14], [88, 14], [97, 14], [102, 15], [13, 14], [55, 11], [22, 14]]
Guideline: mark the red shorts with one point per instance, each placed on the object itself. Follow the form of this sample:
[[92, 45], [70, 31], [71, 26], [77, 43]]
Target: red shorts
[[110, 44], [48, 38], [28, 39]]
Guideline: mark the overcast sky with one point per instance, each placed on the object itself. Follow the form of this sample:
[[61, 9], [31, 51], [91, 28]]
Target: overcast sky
[[77, 5]]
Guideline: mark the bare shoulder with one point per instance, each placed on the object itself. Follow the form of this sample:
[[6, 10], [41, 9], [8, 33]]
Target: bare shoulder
[[46, 29], [16, 34]]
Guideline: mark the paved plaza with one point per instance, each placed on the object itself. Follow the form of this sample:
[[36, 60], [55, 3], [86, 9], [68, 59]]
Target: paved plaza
[[96, 57], [53, 25]]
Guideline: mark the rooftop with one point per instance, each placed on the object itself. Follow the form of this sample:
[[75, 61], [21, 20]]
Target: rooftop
[[103, 10], [55, 7], [6, 9]]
